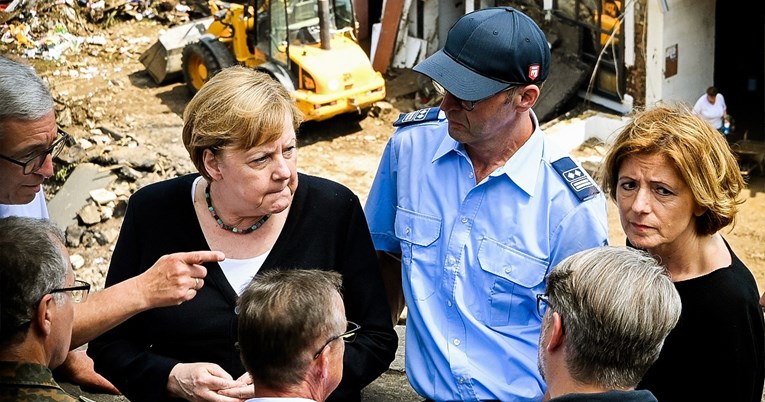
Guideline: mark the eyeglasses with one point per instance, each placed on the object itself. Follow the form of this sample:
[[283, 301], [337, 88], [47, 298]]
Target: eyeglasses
[[79, 291], [35, 162], [465, 104], [543, 303], [348, 336]]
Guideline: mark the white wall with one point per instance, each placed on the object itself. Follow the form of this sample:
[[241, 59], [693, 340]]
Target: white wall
[[690, 24], [571, 133]]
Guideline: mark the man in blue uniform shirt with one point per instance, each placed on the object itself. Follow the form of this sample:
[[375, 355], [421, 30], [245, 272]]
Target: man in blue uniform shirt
[[470, 209]]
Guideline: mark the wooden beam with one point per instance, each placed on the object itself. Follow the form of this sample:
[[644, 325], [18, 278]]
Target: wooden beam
[[361, 7], [389, 28]]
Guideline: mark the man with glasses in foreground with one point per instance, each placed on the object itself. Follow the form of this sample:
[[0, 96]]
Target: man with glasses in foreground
[[29, 139], [605, 316], [37, 296], [474, 209], [292, 333]]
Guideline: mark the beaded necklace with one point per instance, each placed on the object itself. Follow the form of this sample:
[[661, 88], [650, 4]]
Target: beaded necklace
[[227, 227]]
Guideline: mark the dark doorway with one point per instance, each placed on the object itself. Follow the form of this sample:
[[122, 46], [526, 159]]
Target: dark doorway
[[740, 64]]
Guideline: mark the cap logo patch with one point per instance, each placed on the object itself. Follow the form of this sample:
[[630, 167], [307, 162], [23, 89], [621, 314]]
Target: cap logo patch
[[534, 71]]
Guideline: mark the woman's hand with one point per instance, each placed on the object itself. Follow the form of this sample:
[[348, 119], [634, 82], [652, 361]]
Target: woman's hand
[[201, 382], [243, 389]]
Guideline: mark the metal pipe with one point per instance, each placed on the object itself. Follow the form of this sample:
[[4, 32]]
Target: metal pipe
[[324, 25]]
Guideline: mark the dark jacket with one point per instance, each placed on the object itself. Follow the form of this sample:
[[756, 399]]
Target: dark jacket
[[325, 229]]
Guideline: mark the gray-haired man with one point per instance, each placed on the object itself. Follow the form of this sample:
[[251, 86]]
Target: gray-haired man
[[29, 140], [292, 333], [37, 296], [606, 314]]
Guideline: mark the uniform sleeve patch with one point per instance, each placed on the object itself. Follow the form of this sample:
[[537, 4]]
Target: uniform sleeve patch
[[418, 116], [576, 178]]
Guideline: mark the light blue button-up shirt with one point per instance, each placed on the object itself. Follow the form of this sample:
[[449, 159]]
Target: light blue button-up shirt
[[474, 256]]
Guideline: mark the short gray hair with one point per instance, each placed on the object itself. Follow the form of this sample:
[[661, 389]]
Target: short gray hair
[[23, 94], [617, 305], [33, 263], [284, 316]]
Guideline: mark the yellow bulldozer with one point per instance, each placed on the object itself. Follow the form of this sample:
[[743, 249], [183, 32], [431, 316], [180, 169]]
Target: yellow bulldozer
[[309, 46]]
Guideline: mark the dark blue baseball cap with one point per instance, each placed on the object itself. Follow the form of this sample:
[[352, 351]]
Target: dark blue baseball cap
[[487, 51]]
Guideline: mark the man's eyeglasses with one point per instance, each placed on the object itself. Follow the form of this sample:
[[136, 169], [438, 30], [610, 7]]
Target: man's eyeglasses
[[543, 303], [465, 104], [35, 162], [79, 291], [348, 336]]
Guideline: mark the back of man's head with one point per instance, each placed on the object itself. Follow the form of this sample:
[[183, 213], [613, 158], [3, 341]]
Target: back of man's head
[[23, 94], [617, 305], [32, 263], [285, 316]]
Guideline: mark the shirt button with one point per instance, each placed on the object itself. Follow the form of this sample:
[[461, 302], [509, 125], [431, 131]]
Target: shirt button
[[456, 342], [449, 303], [236, 310], [508, 270], [461, 380], [464, 220], [408, 230], [471, 175]]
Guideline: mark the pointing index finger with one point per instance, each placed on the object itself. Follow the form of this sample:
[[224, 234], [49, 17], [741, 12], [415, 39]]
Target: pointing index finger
[[201, 257]]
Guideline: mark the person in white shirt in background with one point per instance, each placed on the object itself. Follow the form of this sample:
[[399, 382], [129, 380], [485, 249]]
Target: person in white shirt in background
[[711, 106]]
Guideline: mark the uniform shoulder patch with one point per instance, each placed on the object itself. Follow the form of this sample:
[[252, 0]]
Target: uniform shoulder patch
[[576, 178], [418, 116]]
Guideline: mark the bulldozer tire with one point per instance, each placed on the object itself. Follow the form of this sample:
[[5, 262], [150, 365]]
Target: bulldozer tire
[[201, 61]]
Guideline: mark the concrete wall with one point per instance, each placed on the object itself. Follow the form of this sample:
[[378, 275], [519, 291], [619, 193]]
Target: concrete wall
[[689, 24], [571, 133]]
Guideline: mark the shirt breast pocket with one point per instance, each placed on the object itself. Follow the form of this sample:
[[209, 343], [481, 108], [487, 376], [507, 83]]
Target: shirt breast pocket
[[510, 278], [418, 234]]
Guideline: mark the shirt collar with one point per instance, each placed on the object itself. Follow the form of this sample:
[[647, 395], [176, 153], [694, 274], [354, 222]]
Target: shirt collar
[[521, 168], [447, 145]]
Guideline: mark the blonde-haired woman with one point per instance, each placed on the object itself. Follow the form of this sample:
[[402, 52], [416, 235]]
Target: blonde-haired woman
[[239, 130], [676, 185]]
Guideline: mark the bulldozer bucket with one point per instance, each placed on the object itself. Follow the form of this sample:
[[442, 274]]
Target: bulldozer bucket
[[163, 59]]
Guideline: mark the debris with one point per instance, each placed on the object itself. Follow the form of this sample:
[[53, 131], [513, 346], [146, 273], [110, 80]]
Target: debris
[[102, 196], [89, 215], [77, 261]]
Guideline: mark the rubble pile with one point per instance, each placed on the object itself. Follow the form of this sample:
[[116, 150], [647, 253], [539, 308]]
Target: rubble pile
[[49, 29]]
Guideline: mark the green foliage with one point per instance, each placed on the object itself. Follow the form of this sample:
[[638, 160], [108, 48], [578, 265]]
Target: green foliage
[[62, 172]]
